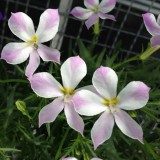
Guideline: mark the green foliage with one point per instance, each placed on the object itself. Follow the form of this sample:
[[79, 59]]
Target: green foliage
[[22, 139]]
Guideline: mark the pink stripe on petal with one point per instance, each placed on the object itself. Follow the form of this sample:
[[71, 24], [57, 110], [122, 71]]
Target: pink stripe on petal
[[33, 64], [48, 25], [15, 53], [155, 41], [134, 96], [151, 25], [21, 25], [128, 126], [92, 20], [91, 3], [105, 81], [107, 5], [81, 13], [45, 85], [102, 129], [73, 119], [50, 112], [48, 54], [73, 70]]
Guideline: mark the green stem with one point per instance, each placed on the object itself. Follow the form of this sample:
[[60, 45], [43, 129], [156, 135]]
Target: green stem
[[126, 61], [96, 28], [13, 81], [61, 144], [90, 149]]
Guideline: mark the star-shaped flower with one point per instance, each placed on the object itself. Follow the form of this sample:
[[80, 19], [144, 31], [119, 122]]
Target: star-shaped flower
[[22, 26]]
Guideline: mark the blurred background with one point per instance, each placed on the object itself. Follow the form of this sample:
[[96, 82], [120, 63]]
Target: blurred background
[[128, 30]]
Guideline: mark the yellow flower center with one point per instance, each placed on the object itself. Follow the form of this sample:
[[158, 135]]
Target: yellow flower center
[[111, 103], [95, 9], [68, 93], [33, 41]]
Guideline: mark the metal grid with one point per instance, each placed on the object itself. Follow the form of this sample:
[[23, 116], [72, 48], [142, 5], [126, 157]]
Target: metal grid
[[128, 28]]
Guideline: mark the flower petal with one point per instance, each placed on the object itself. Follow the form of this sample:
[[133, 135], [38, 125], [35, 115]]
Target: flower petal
[[88, 103], [73, 119], [155, 41], [34, 62], [128, 126], [105, 81], [45, 85], [15, 53], [158, 19], [48, 54], [91, 3], [151, 25], [81, 13], [107, 5], [70, 158], [92, 20], [106, 16], [21, 25], [73, 71], [102, 129], [134, 96], [48, 25], [50, 112], [96, 159]]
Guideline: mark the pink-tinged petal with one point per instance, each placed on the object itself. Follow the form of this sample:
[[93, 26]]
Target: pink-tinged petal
[[158, 19], [89, 88], [151, 25], [102, 129], [34, 62], [16, 53], [134, 96], [50, 112], [92, 20], [48, 54], [70, 158], [88, 103], [45, 85], [73, 71], [128, 126], [73, 119], [81, 13], [48, 25], [155, 41], [106, 16], [96, 159], [21, 25], [91, 3], [107, 5], [105, 81]]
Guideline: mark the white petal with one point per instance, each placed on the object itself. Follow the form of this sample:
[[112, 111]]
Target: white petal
[[88, 103], [102, 129], [134, 96], [50, 112], [48, 25], [73, 119], [96, 159], [21, 25], [92, 20], [16, 53], [34, 62], [107, 5], [91, 3], [105, 81], [45, 85], [81, 13], [70, 158], [128, 126], [73, 71]]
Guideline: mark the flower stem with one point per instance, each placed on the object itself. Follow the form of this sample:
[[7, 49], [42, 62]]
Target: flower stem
[[96, 28], [61, 145], [13, 81]]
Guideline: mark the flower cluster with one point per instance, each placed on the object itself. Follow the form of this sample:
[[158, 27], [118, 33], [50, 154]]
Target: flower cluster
[[100, 97]]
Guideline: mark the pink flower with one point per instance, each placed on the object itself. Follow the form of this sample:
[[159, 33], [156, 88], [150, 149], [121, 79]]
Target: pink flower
[[22, 26], [43, 84], [134, 96], [73, 158], [153, 27], [94, 11]]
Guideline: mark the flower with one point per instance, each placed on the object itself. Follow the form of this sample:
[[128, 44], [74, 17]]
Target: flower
[[73, 158], [94, 11], [22, 26], [43, 84], [134, 96], [153, 27]]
